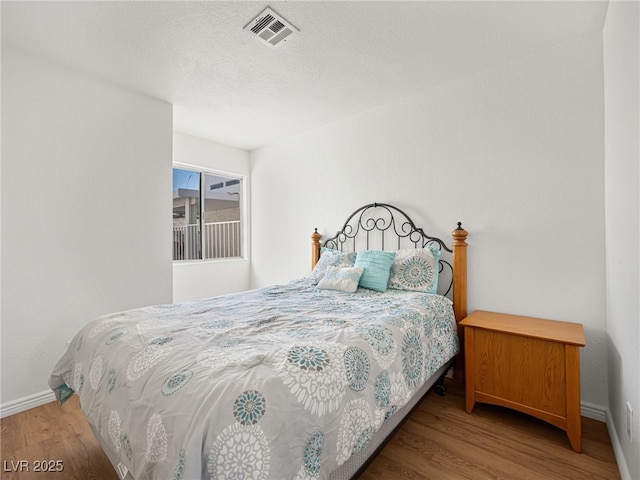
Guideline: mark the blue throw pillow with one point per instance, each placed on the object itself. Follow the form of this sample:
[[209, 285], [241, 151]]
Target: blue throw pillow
[[377, 265]]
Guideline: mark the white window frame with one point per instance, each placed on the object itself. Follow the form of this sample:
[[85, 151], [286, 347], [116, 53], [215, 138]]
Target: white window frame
[[244, 237]]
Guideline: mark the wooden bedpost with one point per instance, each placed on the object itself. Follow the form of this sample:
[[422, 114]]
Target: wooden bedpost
[[460, 291], [315, 248]]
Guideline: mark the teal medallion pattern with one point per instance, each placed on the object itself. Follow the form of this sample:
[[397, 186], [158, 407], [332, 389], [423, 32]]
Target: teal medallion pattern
[[308, 357], [126, 447], [217, 324], [435, 352], [412, 317], [365, 438], [382, 389], [111, 380], [415, 270], [249, 407], [178, 473], [415, 273], [222, 388], [389, 413], [315, 376], [176, 381], [356, 364], [242, 450], [312, 454], [412, 358], [381, 339]]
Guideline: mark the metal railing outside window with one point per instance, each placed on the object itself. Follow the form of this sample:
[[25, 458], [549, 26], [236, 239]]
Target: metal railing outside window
[[221, 240]]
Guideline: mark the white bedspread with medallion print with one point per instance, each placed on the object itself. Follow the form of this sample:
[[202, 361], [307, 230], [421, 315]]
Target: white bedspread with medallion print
[[283, 382]]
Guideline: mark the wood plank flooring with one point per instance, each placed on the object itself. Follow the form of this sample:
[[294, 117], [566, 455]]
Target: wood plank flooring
[[440, 441], [52, 432]]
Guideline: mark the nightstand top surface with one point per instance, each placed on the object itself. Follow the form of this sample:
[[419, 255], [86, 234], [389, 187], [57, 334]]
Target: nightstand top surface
[[553, 330]]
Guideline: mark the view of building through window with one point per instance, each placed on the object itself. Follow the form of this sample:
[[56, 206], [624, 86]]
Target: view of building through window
[[206, 215]]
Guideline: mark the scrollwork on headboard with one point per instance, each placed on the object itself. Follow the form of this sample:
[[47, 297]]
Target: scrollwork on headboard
[[380, 226]]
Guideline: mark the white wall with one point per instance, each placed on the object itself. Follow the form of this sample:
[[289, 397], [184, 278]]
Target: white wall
[[193, 280], [515, 152], [86, 224], [622, 187]]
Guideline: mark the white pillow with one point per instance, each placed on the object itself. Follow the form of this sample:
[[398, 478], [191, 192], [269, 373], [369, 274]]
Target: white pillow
[[342, 279], [331, 258]]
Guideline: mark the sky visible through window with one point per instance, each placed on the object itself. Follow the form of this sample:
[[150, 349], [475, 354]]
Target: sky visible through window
[[185, 179]]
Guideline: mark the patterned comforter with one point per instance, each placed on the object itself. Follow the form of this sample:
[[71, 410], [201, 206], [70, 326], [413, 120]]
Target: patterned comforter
[[283, 382]]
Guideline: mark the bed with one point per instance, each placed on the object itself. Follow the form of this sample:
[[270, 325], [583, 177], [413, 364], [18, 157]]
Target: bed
[[304, 380]]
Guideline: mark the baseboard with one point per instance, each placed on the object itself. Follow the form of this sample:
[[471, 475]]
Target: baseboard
[[25, 403], [617, 449], [601, 414], [595, 412]]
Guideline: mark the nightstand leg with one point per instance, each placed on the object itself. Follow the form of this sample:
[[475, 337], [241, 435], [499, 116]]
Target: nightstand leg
[[470, 370], [574, 419]]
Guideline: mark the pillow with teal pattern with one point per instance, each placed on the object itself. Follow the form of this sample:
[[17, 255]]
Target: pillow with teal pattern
[[415, 270], [377, 266], [342, 279], [331, 258]]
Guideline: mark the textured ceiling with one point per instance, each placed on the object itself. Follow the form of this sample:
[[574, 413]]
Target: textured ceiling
[[348, 56]]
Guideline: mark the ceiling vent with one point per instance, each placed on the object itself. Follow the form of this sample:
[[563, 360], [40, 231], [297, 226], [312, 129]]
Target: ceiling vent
[[270, 28]]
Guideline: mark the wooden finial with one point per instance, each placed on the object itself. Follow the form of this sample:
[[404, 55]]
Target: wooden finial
[[315, 247], [459, 235]]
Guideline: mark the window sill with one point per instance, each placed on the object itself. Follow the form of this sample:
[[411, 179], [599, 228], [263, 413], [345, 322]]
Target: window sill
[[209, 261]]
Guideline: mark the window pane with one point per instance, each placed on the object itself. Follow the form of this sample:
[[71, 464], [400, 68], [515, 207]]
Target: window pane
[[221, 237], [186, 215], [210, 228]]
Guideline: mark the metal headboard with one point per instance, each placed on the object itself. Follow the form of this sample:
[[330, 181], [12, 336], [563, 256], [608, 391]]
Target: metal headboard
[[380, 226]]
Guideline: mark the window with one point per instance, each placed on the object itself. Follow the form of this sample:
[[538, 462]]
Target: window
[[206, 215]]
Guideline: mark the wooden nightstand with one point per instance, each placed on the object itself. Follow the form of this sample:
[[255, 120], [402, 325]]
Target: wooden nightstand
[[528, 364]]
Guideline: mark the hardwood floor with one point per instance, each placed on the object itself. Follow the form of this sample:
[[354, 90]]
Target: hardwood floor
[[440, 441], [54, 433]]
